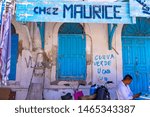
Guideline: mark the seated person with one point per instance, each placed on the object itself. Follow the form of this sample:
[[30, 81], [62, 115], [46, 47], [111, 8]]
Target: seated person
[[123, 90]]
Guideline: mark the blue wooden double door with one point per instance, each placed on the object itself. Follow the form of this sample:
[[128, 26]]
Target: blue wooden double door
[[136, 61], [136, 54], [71, 61]]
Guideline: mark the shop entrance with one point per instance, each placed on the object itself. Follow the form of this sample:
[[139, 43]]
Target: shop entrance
[[136, 54]]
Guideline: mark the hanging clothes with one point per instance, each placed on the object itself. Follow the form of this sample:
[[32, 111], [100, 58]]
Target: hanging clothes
[[5, 45]]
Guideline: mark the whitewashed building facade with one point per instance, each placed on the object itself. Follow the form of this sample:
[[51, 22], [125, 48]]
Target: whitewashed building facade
[[86, 52]]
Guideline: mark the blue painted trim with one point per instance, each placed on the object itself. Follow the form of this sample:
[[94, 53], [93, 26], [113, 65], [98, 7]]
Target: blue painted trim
[[141, 28], [41, 26], [2, 9], [71, 28], [111, 31], [137, 37]]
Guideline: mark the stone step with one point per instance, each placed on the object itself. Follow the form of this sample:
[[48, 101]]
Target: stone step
[[35, 91]]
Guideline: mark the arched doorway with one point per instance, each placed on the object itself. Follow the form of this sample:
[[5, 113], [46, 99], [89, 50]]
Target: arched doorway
[[71, 61], [14, 53], [136, 53]]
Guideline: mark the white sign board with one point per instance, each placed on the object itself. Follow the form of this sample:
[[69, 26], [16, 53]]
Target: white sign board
[[73, 11], [140, 8]]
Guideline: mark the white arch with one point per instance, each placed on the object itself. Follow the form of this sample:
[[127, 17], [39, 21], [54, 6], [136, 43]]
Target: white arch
[[20, 30], [52, 40], [56, 27]]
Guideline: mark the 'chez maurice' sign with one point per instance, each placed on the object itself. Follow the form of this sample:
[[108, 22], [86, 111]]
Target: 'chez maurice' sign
[[140, 8], [71, 11]]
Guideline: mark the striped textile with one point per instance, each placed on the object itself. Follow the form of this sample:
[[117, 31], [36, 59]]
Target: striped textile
[[5, 46], [2, 6]]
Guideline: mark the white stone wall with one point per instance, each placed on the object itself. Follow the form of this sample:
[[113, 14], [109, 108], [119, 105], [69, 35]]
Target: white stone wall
[[96, 46], [97, 42]]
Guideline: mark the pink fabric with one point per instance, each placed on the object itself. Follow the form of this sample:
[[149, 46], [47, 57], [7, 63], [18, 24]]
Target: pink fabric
[[78, 94]]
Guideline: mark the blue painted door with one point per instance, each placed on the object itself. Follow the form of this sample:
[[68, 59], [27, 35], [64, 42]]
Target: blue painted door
[[14, 56], [71, 63], [136, 62]]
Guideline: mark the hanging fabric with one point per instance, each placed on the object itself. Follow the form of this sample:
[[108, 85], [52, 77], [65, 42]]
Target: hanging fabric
[[5, 45], [2, 6]]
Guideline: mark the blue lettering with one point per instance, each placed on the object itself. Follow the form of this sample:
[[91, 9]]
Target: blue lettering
[[36, 10], [112, 56], [146, 12], [103, 9], [55, 11], [103, 71], [97, 63], [96, 11], [99, 70], [106, 71], [105, 63], [89, 12], [92, 11], [105, 78], [65, 9], [106, 12], [48, 10], [100, 57], [42, 10], [96, 57], [109, 63], [101, 63], [104, 57], [145, 7], [101, 77], [116, 12], [78, 9]]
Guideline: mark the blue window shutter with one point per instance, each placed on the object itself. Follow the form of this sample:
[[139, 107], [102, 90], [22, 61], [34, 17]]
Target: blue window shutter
[[71, 61], [14, 56]]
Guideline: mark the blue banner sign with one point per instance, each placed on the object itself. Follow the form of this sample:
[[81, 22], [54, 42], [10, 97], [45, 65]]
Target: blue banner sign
[[71, 11], [140, 8]]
